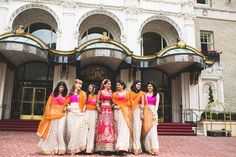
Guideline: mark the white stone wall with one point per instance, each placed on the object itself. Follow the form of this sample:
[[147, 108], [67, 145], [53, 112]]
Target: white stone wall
[[186, 17], [220, 18], [131, 16]]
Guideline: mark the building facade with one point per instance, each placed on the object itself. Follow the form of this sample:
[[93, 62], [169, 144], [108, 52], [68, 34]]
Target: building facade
[[173, 43]]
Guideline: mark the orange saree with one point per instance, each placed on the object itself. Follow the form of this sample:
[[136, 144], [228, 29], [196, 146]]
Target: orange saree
[[135, 98], [91, 102], [125, 107], [53, 110], [148, 121]]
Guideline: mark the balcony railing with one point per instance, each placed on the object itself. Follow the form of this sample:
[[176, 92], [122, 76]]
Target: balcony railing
[[212, 55]]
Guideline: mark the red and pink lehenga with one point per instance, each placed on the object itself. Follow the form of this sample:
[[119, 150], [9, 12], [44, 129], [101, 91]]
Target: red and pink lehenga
[[106, 132]]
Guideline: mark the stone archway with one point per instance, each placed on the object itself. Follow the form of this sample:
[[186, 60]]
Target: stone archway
[[117, 26], [165, 19], [44, 9]]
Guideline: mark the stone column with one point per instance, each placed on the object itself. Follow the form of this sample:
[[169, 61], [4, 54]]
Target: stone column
[[185, 82], [3, 13], [3, 72], [176, 99], [9, 83], [66, 74]]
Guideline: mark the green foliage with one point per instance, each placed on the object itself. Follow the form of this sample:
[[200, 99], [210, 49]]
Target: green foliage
[[211, 98], [218, 116]]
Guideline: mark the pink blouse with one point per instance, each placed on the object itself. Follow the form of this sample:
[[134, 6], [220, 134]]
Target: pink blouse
[[151, 100]]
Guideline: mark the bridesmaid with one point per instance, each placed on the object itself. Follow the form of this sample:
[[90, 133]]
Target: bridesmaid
[[150, 120], [123, 117], [52, 126], [91, 111], [76, 119], [105, 133], [137, 102]]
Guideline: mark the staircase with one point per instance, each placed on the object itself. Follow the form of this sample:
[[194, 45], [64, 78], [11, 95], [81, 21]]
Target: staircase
[[18, 125], [176, 129]]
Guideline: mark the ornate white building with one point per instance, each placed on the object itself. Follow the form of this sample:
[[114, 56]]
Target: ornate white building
[[44, 41]]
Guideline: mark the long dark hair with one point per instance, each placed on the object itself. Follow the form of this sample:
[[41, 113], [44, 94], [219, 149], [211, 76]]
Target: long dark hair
[[122, 83], [133, 87], [56, 90], [94, 89], [154, 88]]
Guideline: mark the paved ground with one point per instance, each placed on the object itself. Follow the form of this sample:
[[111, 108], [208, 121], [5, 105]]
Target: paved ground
[[22, 144]]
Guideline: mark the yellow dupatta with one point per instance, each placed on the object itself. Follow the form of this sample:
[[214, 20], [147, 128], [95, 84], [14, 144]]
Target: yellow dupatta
[[135, 98], [148, 120], [48, 116], [125, 107]]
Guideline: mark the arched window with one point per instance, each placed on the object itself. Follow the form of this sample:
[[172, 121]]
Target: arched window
[[94, 33], [152, 43], [43, 31]]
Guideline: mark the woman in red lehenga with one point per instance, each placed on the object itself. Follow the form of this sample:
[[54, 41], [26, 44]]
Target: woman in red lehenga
[[105, 133]]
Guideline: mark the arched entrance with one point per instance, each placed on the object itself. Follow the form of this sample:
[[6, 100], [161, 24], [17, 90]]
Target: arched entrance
[[31, 90], [95, 74], [162, 81]]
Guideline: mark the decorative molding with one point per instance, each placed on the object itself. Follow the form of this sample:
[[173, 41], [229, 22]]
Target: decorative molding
[[164, 18], [30, 6], [213, 9], [103, 12], [69, 4], [130, 9]]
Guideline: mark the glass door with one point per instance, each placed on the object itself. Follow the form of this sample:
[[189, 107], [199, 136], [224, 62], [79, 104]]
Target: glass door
[[161, 108], [32, 103]]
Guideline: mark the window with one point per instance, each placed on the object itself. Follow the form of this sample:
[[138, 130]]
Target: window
[[203, 1], [44, 32], [152, 43], [207, 43], [94, 33]]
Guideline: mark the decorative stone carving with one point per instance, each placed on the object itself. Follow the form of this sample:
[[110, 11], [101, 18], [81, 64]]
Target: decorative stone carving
[[215, 70], [69, 4], [30, 6], [134, 10]]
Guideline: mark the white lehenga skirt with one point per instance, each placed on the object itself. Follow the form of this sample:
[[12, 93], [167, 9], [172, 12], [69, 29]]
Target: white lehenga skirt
[[76, 132], [123, 132], [137, 128], [55, 142], [151, 142], [92, 116]]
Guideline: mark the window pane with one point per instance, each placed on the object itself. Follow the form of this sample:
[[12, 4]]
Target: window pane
[[204, 47], [26, 108], [38, 108], [40, 95], [45, 33], [94, 33], [28, 94], [152, 43], [202, 1], [206, 41]]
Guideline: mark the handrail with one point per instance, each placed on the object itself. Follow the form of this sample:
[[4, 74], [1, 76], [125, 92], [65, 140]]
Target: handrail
[[189, 115]]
